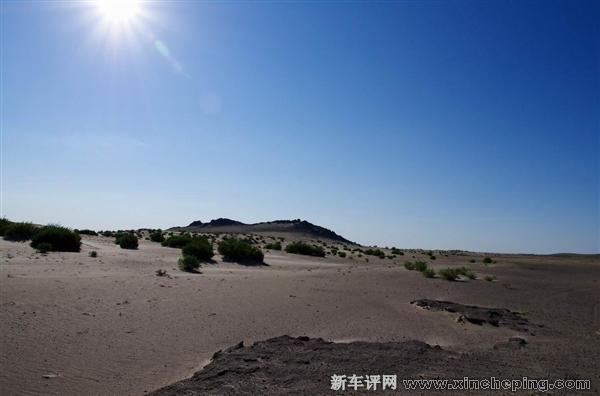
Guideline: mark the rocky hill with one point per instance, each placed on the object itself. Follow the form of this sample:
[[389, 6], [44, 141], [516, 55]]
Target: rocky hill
[[294, 228]]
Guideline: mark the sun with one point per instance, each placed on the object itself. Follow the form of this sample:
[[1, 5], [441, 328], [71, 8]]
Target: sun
[[119, 11]]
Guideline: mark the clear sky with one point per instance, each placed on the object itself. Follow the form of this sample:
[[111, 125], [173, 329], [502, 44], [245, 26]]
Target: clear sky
[[443, 124]]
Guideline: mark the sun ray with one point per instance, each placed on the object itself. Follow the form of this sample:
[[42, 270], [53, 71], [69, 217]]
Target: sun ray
[[119, 11]]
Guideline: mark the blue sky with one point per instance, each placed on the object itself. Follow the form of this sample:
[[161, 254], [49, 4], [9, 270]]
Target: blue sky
[[460, 124]]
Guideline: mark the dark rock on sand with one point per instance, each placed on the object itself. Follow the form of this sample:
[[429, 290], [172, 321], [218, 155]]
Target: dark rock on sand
[[498, 317], [304, 366]]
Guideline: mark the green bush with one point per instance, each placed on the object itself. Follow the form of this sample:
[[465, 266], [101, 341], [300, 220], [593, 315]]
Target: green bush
[[4, 223], [397, 251], [450, 274], [62, 239], [44, 247], [428, 273], [177, 241], [432, 257], [19, 231], [375, 252], [415, 266], [86, 232], [305, 249], [240, 251], [199, 248], [342, 254], [157, 236], [93, 253], [487, 260], [188, 263], [472, 261], [127, 241], [273, 246], [466, 272]]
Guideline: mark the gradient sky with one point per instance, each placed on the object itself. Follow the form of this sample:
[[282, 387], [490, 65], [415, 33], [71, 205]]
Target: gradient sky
[[457, 125]]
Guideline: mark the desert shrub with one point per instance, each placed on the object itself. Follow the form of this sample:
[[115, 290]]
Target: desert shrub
[[188, 263], [177, 241], [157, 236], [415, 266], [487, 260], [62, 239], [86, 232], [428, 273], [305, 249], [4, 223], [466, 272], [342, 254], [490, 278], [375, 252], [199, 248], [240, 251], [432, 257], [273, 246], [127, 241], [19, 231], [472, 261], [93, 253], [452, 274], [107, 234], [118, 236], [449, 274], [44, 247]]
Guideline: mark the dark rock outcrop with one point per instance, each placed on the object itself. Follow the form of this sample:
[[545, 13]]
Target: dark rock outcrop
[[498, 317], [295, 227]]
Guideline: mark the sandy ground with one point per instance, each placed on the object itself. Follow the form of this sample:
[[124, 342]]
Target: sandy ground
[[110, 326]]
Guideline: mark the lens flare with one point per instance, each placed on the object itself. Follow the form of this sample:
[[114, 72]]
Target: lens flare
[[119, 11]]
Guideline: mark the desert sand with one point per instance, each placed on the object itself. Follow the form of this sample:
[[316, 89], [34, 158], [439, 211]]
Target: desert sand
[[76, 325]]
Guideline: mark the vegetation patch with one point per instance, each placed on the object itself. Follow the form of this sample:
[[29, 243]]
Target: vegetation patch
[[415, 266], [60, 238], [452, 274], [200, 248], [177, 241], [188, 264], [44, 247], [305, 249], [240, 251], [85, 232], [19, 232], [273, 246], [4, 223], [157, 236], [127, 241], [375, 252]]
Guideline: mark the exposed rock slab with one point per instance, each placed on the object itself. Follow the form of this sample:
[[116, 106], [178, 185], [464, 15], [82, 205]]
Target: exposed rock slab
[[497, 317], [303, 366]]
